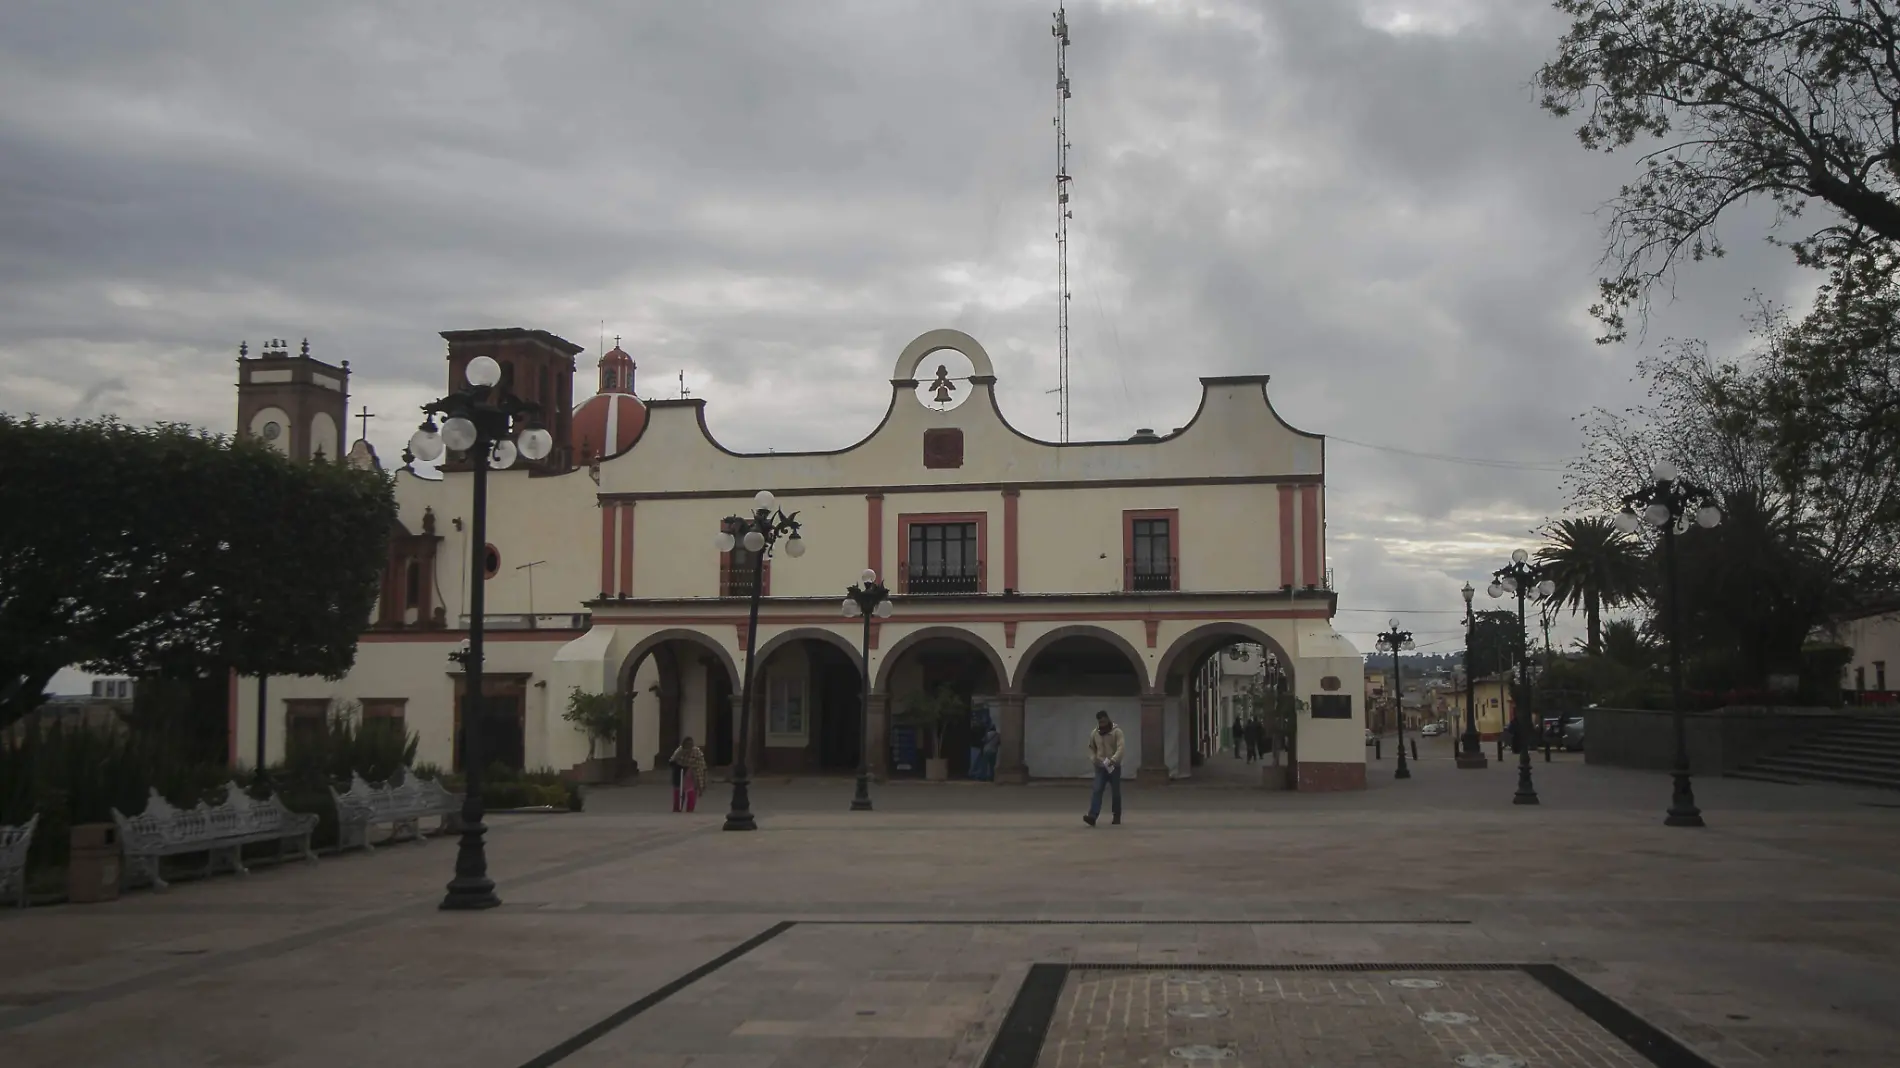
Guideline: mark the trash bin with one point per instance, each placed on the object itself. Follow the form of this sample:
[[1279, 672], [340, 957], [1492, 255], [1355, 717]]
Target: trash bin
[[92, 873]]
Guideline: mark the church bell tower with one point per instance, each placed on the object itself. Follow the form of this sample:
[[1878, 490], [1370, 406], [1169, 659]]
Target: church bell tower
[[296, 404]]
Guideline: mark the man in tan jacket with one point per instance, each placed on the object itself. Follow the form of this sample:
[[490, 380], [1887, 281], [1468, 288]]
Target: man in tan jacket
[[1105, 753]]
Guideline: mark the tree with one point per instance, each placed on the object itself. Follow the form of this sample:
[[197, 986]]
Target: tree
[[165, 551], [1595, 566], [596, 715], [1496, 642], [933, 711], [1791, 101]]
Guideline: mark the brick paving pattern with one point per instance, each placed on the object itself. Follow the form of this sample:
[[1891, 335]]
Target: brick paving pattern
[[1240, 1019]]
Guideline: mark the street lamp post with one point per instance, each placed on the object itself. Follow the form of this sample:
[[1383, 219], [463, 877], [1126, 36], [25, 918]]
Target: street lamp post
[[1470, 754], [1521, 577], [492, 426], [758, 532], [1670, 502], [1395, 640], [869, 598]]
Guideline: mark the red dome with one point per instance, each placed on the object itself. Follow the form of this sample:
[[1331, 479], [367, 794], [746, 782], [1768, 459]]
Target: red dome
[[606, 424]]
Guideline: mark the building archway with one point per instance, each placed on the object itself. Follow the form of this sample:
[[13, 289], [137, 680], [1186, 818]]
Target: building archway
[[925, 659], [673, 683], [1066, 677], [1183, 671], [810, 706]]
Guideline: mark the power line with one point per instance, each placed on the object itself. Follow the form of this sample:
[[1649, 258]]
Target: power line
[[1552, 466]]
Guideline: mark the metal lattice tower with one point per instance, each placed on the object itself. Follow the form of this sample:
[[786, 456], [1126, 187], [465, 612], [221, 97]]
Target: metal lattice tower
[[1060, 31]]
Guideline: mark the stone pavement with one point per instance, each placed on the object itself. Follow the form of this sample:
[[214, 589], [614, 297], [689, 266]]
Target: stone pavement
[[986, 926]]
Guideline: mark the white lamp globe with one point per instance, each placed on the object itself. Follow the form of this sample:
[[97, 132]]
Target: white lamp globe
[[536, 443], [724, 541], [1520, 556], [458, 434], [866, 577], [1708, 516], [483, 371], [753, 541], [1410, 644], [426, 443], [1626, 521], [883, 610], [1496, 589], [1546, 588], [1509, 583], [1656, 515], [763, 501], [504, 455], [795, 546], [1392, 624], [1665, 472], [851, 609]]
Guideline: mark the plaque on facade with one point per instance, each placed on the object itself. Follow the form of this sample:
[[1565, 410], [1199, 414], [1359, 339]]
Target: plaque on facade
[[943, 447], [1332, 706], [1329, 683]]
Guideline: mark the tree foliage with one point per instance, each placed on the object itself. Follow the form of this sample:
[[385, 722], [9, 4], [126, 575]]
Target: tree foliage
[[1496, 642], [1788, 101], [167, 551], [596, 715], [1595, 566]]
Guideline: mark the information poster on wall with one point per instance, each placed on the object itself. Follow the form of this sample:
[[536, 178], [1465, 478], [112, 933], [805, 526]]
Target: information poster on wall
[[1332, 706], [904, 748]]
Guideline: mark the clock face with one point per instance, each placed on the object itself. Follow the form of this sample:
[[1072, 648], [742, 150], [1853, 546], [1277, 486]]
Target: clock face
[[271, 431]]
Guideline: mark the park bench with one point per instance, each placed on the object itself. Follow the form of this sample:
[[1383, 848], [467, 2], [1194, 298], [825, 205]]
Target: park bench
[[403, 807], [14, 842], [219, 831]]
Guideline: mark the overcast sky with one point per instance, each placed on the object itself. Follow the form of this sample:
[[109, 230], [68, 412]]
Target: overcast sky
[[1360, 199]]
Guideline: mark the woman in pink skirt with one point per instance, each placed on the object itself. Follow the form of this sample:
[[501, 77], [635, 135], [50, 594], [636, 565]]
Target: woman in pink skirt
[[689, 764]]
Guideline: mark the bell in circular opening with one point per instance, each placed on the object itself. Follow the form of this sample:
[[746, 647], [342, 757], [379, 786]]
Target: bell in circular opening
[[943, 379]]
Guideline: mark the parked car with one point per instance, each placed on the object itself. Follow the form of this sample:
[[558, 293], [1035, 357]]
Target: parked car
[[1573, 736], [1368, 735], [1432, 730]]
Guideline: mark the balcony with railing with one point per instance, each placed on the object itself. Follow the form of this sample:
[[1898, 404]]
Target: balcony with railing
[[738, 581], [920, 579], [1152, 575]]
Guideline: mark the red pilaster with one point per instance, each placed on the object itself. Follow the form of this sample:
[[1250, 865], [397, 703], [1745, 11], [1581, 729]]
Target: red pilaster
[[1010, 497], [1286, 536], [1309, 536], [626, 548], [607, 510]]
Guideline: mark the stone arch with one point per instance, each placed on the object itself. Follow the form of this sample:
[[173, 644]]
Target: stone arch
[[671, 681], [890, 657], [818, 634], [653, 641], [1081, 630], [1189, 645], [935, 340]]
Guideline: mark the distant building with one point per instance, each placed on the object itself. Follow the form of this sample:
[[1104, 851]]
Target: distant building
[[1873, 634]]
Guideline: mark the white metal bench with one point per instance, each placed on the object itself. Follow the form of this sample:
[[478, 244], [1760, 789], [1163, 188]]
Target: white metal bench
[[219, 831], [403, 807], [14, 842]]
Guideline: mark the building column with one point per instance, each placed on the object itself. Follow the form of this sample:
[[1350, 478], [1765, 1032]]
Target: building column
[[1010, 766], [1154, 739], [878, 736]]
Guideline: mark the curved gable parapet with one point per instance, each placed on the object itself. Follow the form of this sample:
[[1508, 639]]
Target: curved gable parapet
[[905, 371]]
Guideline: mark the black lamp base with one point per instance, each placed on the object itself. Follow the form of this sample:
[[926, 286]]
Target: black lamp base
[[471, 889], [740, 817]]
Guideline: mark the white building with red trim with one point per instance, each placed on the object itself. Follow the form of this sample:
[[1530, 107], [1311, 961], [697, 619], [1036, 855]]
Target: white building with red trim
[[1042, 580]]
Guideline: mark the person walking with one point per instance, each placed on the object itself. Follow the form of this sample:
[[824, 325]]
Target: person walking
[[1105, 753], [1253, 740], [992, 747], [689, 770]]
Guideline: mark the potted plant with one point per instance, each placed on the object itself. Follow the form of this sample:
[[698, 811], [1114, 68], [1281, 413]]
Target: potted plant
[[931, 712], [596, 715]]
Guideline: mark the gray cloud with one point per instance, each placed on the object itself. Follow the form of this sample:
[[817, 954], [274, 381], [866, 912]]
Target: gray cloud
[[772, 198]]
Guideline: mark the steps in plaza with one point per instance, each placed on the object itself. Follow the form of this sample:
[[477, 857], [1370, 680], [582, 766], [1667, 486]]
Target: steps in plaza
[[1862, 752]]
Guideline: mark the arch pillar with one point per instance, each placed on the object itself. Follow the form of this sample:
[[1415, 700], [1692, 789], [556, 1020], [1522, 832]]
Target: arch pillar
[[877, 722], [1154, 739], [1010, 765]]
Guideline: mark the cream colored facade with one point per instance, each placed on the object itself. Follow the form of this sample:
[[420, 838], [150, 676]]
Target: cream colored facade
[[1875, 668], [629, 597]]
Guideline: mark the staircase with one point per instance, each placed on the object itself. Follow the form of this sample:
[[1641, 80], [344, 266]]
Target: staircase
[[1863, 752]]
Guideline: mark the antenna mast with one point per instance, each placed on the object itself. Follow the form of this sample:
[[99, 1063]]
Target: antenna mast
[[1060, 31]]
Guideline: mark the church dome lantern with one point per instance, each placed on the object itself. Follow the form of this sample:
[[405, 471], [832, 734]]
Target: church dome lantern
[[609, 422]]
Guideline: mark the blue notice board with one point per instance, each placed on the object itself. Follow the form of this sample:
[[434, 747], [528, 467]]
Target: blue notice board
[[904, 748]]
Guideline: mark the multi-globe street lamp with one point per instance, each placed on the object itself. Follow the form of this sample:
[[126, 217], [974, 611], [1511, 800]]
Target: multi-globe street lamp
[[1670, 503], [1521, 577], [758, 532], [1470, 754], [1395, 639], [869, 599], [492, 426]]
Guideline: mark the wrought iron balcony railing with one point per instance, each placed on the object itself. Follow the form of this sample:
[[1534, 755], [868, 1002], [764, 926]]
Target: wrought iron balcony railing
[[926, 580]]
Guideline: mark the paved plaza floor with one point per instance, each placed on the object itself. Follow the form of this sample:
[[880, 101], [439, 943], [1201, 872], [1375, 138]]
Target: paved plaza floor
[[1423, 922]]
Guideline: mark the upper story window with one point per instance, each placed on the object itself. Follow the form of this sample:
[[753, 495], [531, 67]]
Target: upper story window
[[738, 570], [1151, 559], [944, 558]]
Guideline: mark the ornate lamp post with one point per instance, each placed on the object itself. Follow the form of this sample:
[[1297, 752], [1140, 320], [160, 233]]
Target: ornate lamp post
[[1669, 502], [869, 598], [1395, 640], [1522, 578], [1470, 755], [758, 532], [492, 426]]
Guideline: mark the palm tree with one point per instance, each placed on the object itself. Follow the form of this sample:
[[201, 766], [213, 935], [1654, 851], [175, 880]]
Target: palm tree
[[1595, 566]]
